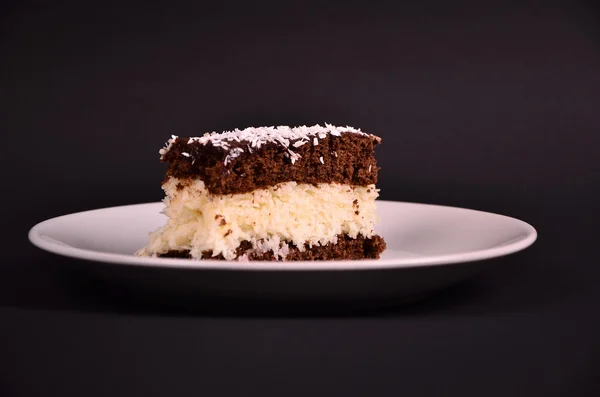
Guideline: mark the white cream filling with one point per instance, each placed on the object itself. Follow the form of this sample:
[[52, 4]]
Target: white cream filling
[[269, 218]]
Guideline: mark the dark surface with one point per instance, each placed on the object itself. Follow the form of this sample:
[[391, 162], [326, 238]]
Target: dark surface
[[348, 159], [492, 108]]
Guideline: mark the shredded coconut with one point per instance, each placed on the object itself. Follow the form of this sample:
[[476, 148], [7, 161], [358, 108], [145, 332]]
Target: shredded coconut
[[269, 218]]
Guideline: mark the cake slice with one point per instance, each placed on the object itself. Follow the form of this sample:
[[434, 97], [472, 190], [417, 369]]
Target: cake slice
[[270, 193]]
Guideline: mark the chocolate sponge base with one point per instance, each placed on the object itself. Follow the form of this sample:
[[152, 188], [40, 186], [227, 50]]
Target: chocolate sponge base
[[346, 248]]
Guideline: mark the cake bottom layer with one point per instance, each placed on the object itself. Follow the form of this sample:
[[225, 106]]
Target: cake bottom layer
[[345, 248]]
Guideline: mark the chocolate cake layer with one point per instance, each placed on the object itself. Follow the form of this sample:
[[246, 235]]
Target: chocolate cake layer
[[346, 248], [241, 167]]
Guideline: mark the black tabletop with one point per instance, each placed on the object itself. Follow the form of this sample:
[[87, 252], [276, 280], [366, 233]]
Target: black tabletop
[[491, 107]]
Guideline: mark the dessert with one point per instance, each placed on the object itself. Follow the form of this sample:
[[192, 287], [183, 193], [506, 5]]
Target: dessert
[[270, 193]]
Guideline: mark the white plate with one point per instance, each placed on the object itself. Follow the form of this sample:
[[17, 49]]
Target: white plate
[[418, 236]]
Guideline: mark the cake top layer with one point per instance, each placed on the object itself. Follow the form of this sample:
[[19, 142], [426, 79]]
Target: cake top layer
[[244, 160], [238, 141]]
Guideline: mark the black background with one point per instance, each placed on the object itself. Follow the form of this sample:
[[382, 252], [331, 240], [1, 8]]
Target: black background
[[491, 106]]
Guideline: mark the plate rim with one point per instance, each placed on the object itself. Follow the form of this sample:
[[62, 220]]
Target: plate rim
[[55, 247]]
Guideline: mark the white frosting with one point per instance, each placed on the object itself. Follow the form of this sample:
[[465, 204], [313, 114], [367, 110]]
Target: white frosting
[[268, 218], [258, 136]]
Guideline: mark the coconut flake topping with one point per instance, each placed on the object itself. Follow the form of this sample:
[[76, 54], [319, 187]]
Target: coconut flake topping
[[258, 136]]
